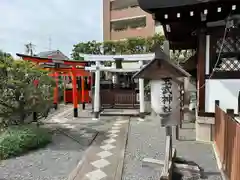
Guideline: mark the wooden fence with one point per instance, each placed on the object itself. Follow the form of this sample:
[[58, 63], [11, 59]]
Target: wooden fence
[[227, 142], [118, 98]]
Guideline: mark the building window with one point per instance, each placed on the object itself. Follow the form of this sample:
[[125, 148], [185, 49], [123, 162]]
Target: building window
[[122, 25], [123, 4], [158, 28]]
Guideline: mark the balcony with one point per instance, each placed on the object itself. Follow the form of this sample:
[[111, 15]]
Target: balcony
[[128, 33], [126, 13]]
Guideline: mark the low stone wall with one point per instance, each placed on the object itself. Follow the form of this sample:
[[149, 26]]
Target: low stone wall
[[205, 128]]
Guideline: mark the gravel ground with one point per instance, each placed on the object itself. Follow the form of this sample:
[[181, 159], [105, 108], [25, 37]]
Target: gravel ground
[[56, 161], [142, 142], [147, 139]]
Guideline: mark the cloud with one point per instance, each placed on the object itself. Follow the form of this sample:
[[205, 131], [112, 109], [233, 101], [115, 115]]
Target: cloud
[[66, 22]]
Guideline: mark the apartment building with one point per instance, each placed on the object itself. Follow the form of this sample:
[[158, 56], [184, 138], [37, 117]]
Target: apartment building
[[124, 18]]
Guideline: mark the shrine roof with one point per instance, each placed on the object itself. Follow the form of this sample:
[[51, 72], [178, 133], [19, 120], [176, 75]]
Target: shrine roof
[[51, 60], [153, 5], [181, 19]]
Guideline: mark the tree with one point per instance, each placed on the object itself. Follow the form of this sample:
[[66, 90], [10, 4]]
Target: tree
[[18, 95], [136, 45], [29, 48], [90, 47]]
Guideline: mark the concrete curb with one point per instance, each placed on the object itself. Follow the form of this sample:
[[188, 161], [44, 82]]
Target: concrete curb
[[77, 169], [124, 115], [219, 164], [118, 175]]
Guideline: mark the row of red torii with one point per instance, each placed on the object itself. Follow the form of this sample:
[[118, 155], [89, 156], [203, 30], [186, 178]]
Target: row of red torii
[[81, 69]]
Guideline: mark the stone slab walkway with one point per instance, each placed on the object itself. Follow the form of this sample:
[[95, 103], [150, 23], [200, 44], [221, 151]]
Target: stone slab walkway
[[104, 159]]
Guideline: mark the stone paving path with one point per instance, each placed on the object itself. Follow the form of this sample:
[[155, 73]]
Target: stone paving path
[[104, 159]]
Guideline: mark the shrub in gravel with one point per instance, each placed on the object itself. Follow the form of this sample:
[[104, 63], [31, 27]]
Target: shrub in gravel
[[17, 140]]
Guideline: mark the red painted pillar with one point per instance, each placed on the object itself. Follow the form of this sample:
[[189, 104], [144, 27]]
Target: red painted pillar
[[65, 83], [90, 89], [74, 90], [83, 92], [55, 95]]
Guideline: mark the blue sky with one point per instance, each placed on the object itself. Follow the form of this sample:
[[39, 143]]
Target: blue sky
[[67, 22]]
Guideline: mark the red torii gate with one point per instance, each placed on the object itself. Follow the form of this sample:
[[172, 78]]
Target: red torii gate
[[64, 68]]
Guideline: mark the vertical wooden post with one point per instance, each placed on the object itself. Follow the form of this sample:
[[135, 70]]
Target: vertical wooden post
[[65, 84], [74, 90], [83, 92], [238, 102], [201, 70], [79, 91], [230, 112], [55, 96], [168, 129], [35, 113], [177, 133], [89, 88]]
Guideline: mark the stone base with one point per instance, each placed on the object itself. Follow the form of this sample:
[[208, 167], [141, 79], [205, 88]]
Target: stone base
[[142, 115], [96, 115], [55, 106], [204, 128], [83, 105], [75, 112], [34, 116]]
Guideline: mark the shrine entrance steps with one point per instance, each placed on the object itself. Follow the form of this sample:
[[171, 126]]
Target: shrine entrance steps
[[120, 112]]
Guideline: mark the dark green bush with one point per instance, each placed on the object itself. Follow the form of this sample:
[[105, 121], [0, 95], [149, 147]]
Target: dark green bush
[[17, 140]]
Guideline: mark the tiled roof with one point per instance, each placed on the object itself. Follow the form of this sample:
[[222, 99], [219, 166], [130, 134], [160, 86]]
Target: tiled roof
[[46, 54]]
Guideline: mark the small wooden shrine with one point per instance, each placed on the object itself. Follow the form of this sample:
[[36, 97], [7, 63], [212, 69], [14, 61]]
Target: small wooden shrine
[[116, 89], [212, 28]]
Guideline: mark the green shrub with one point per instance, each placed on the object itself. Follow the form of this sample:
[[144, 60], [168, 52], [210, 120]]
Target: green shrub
[[17, 140]]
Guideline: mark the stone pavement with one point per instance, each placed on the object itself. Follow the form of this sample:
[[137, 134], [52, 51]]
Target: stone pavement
[[104, 158]]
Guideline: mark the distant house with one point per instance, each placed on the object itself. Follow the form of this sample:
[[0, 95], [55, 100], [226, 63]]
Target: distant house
[[55, 54]]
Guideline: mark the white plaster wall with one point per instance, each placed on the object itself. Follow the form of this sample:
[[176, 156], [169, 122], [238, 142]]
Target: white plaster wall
[[226, 91]]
